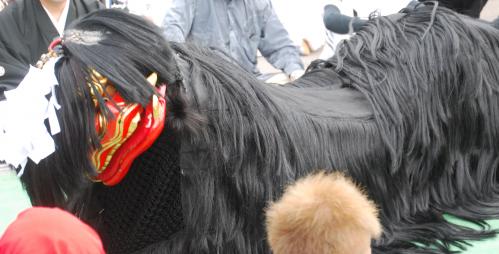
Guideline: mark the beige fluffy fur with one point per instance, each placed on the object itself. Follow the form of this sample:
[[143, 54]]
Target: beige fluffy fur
[[322, 214]]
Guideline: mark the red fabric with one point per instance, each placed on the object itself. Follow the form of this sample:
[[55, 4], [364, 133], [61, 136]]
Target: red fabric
[[49, 230]]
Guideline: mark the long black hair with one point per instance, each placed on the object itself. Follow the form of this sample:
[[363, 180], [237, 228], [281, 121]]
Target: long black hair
[[419, 133], [96, 43], [431, 77]]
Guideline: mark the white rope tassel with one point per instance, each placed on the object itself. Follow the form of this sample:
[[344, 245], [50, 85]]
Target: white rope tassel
[[23, 133]]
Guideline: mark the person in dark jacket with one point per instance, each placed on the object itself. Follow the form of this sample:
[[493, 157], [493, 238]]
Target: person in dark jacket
[[26, 29]]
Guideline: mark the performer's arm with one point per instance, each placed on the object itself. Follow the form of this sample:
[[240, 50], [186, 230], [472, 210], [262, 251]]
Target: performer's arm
[[12, 71], [276, 46], [178, 20]]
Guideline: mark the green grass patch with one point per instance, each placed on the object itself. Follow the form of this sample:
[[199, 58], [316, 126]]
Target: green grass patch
[[13, 200]]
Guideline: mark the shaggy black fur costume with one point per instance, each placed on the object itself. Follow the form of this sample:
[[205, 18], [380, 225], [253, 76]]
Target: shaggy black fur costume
[[408, 108], [472, 8]]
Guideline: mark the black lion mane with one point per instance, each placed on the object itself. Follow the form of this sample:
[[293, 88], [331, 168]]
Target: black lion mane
[[423, 143]]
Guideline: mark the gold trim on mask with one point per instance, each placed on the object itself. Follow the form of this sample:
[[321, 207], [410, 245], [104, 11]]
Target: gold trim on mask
[[127, 116], [119, 136]]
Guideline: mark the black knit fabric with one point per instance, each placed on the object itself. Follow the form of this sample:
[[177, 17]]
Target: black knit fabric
[[145, 207]]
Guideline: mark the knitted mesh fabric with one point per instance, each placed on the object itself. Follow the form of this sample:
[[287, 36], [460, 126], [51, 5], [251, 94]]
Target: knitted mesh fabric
[[145, 207]]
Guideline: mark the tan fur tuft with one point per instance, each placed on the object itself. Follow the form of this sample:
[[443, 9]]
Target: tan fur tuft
[[322, 214]]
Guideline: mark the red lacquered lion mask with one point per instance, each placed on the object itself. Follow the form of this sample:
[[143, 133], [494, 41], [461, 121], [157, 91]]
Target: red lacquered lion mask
[[130, 131]]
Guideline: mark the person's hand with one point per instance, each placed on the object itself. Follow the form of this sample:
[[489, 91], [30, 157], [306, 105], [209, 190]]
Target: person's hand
[[296, 74], [279, 78]]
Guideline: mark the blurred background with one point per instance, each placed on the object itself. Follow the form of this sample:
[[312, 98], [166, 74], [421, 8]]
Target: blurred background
[[302, 19]]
